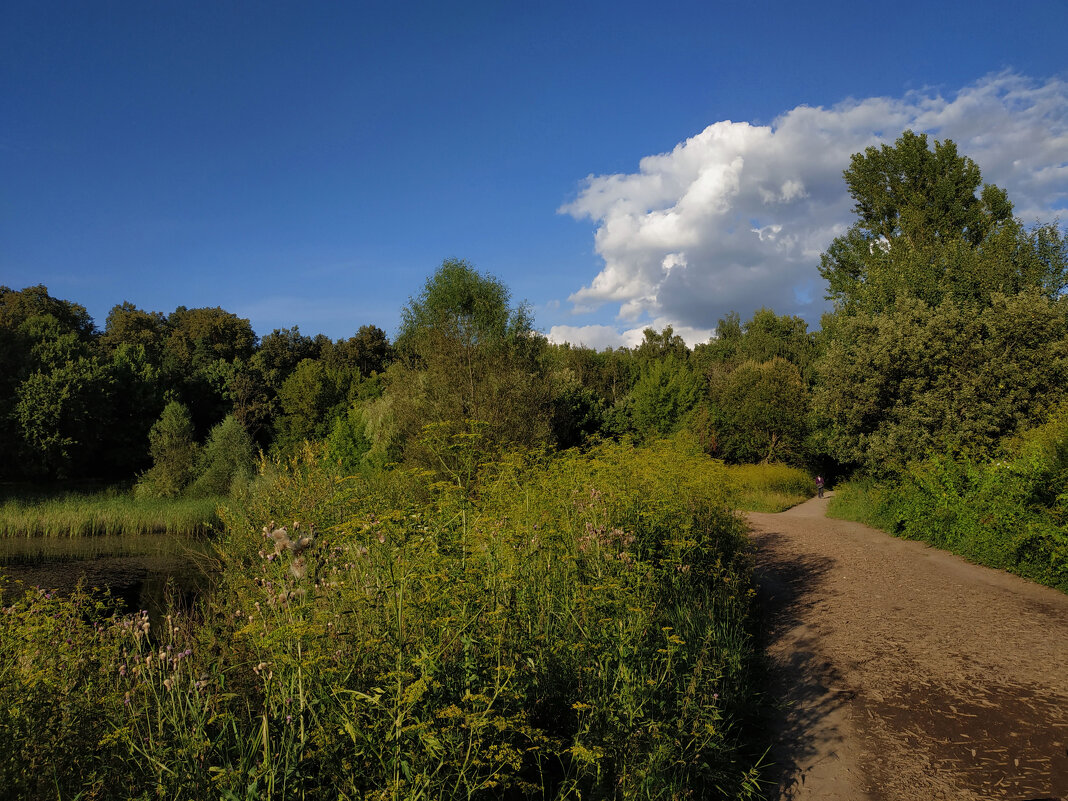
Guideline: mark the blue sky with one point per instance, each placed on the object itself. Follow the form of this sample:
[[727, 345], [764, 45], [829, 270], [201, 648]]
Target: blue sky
[[312, 163]]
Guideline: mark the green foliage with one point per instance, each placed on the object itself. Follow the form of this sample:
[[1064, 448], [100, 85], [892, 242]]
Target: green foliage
[[74, 514], [923, 232], [576, 630], [898, 385], [951, 330], [765, 337], [174, 454], [758, 412], [348, 442], [609, 374], [60, 413], [665, 393], [769, 487], [659, 346], [226, 458], [577, 411], [461, 304], [130, 326], [367, 353], [311, 398], [467, 356]]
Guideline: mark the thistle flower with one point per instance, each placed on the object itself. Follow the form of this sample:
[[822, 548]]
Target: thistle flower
[[299, 568]]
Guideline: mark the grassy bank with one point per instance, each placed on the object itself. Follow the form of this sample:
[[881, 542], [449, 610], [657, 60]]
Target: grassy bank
[[769, 487], [106, 514], [574, 627], [1005, 514]]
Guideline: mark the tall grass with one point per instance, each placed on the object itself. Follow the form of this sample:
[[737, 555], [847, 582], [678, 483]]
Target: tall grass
[[769, 487], [107, 514], [573, 627]]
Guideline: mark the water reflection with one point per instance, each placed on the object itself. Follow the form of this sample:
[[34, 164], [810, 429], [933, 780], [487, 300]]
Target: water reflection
[[136, 569]]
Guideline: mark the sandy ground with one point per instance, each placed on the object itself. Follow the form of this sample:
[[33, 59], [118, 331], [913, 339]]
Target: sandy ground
[[908, 673]]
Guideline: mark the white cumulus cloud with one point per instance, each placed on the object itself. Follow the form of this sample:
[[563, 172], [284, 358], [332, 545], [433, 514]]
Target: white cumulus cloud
[[736, 217]]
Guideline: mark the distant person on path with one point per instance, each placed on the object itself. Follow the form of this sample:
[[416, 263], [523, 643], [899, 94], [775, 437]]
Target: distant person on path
[[819, 486]]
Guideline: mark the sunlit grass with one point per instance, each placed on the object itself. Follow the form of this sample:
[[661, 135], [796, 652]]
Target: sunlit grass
[[769, 487], [107, 514], [577, 627]]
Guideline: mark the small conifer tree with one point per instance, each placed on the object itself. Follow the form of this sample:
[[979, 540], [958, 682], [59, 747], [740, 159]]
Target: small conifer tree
[[173, 451]]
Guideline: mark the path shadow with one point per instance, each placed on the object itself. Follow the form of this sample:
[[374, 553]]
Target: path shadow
[[806, 698]]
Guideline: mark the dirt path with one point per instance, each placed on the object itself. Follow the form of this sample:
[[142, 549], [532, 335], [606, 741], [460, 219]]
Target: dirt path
[[910, 674]]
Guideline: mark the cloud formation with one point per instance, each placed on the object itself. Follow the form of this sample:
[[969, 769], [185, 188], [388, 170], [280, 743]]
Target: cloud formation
[[736, 217]]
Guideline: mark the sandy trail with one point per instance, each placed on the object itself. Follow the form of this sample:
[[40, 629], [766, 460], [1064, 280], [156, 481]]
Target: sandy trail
[[909, 673]]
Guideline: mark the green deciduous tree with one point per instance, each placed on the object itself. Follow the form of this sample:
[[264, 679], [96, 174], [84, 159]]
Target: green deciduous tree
[[901, 384], [764, 337], [758, 412], [310, 399], [925, 229], [665, 393], [467, 356], [949, 329]]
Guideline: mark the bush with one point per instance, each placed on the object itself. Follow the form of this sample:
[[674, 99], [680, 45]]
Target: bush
[[174, 453]]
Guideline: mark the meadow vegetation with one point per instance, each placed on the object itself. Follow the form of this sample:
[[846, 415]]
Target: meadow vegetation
[[571, 626]]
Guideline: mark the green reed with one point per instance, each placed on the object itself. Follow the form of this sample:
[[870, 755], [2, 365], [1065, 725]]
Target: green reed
[[107, 514]]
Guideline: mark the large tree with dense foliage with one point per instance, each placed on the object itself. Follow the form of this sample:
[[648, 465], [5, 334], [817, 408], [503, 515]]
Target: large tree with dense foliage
[[757, 413], [468, 361], [949, 328]]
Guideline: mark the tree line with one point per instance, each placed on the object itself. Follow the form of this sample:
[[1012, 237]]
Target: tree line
[[949, 332]]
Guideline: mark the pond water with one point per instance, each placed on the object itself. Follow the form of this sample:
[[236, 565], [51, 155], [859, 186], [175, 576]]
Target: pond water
[[136, 569]]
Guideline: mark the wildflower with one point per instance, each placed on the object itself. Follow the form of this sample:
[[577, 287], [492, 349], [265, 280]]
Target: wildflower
[[168, 683], [298, 568]]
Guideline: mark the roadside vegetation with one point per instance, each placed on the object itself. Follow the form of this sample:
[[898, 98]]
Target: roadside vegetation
[[1009, 512], [942, 385]]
